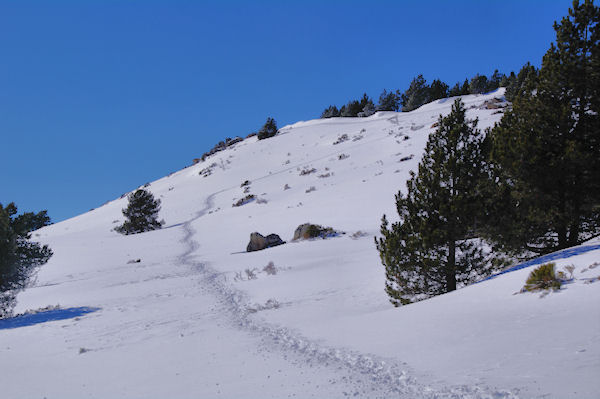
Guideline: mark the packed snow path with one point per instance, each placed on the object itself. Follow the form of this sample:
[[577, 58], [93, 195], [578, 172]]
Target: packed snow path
[[175, 319], [368, 375]]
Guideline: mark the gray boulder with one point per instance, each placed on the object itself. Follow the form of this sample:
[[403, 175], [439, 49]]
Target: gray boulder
[[259, 242], [308, 230]]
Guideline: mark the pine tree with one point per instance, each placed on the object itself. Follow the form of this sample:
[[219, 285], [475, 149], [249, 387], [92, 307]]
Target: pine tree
[[494, 80], [389, 101], [437, 90], [465, 88], [546, 150], [269, 129], [455, 90], [508, 80], [141, 213], [18, 255], [330, 112], [479, 84], [416, 95], [351, 109], [523, 82], [429, 251], [368, 108]]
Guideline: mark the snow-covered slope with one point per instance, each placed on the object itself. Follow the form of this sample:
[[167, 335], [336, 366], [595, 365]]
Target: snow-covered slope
[[199, 317]]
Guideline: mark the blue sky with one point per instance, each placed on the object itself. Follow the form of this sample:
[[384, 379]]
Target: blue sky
[[99, 97]]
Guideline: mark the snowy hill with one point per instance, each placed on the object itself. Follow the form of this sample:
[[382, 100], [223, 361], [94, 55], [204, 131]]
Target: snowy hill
[[198, 316]]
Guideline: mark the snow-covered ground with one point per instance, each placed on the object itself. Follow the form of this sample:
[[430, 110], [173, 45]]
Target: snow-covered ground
[[200, 317]]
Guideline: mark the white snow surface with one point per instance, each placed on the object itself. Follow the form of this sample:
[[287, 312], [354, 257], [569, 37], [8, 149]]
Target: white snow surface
[[188, 322]]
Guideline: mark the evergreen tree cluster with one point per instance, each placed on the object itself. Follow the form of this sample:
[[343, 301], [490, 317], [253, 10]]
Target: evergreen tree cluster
[[530, 186], [419, 92], [18, 255], [268, 130]]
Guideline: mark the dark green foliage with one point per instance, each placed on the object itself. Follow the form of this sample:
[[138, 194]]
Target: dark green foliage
[[18, 255], [458, 90], [368, 108], [389, 101], [416, 95], [431, 249], [546, 150], [478, 84], [269, 129], [351, 109], [524, 82], [437, 90], [141, 213], [495, 80], [354, 108], [542, 278], [507, 80], [330, 112]]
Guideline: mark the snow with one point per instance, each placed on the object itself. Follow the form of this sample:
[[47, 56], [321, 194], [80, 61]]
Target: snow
[[182, 323]]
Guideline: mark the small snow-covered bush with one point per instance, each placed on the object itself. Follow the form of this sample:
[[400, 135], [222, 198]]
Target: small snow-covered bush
[[243, 201], [542, 277]]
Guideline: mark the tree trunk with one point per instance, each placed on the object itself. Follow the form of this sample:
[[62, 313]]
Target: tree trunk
[[451, 267]]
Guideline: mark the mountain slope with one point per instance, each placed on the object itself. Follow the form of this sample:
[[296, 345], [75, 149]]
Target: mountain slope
[[198, 316]]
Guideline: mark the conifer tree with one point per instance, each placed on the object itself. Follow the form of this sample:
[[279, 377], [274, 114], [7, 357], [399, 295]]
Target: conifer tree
[[455, 90], [495, 80], [429, 251], [546, 150], [269, 129], [389, 101], [465, 88], [18, 255], [330, 112], [416, 95], [141, 213], [523, 82], [351, 109], [437, 90], [478, 84], [368, 108]]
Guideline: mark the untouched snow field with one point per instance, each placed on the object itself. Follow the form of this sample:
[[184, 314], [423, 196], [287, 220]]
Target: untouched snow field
[[197, 316]]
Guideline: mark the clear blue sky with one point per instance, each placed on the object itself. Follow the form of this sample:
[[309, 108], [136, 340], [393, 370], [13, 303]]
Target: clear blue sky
[[99, 97]]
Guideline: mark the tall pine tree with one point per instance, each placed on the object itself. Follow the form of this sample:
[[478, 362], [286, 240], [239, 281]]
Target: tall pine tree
[[430, 250], [416, 95], [546, 151]]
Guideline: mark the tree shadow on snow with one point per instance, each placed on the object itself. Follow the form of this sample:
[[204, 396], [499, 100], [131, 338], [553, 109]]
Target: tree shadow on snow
[[42, 317]]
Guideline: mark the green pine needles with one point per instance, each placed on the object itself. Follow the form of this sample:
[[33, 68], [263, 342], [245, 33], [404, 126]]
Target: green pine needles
[[18, 255], [542, 278], [432, 248], [141, 213], [531, 186]]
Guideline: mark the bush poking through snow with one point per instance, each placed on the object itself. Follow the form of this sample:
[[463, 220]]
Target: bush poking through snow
[[542, 277], [307, 171], [270, 269], [570, 269], [341, 139], [243, 201]]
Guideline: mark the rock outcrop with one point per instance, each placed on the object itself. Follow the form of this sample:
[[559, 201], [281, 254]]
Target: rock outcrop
[[259, 242]]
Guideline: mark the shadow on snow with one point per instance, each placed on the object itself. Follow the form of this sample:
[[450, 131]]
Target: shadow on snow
[[565, 253], [42, 317]]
